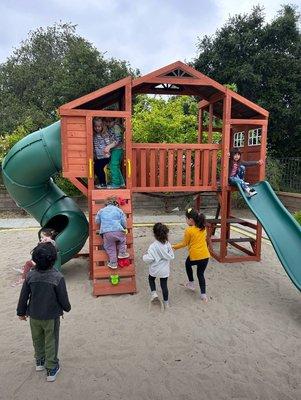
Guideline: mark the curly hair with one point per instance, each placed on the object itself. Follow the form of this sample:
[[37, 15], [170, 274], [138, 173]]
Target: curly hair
[[44, 255], [198, 218], [161, 232]]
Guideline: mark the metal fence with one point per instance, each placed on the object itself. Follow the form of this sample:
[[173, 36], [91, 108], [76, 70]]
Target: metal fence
[[290, 174]]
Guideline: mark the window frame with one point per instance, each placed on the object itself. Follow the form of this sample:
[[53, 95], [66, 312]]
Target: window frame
[[239, 139]]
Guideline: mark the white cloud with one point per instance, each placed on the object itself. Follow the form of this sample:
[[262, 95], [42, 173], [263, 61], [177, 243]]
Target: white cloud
[[148, 33]]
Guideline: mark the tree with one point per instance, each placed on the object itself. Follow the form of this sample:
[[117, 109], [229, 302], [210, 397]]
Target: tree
[[51, 67], [172, 120], [263, 60]]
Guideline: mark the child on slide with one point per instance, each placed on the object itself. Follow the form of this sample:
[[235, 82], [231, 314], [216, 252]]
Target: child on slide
[[237, 170]]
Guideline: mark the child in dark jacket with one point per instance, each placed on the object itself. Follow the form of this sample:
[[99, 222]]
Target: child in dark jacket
[[44, 298]]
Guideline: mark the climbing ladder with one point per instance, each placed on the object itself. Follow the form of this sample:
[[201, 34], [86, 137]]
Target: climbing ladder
[[100, 274]]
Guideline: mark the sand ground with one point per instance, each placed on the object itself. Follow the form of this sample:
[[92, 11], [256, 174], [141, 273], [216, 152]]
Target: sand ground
[[244, 344]]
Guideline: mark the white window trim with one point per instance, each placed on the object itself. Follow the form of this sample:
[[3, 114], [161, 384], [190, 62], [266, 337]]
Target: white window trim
[[239, 139], [254, 137]]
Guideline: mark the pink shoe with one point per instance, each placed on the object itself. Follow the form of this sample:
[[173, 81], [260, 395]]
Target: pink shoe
[[190, 286]]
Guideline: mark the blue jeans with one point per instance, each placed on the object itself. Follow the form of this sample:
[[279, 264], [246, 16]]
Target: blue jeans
[[238, 179]]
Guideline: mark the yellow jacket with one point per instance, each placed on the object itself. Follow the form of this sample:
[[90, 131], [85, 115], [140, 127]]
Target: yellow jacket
[[195, 240]]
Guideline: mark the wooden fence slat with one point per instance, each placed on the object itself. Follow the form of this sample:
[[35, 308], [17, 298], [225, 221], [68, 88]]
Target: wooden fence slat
[[197, 167], [152, 167], [162, 167], [206, 168], [188, 168], [180, 168], [143, 168], [214, 168], [134, 168], [170, 168]]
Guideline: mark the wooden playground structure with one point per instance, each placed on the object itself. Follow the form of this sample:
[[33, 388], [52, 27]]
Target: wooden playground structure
[[164, 167]]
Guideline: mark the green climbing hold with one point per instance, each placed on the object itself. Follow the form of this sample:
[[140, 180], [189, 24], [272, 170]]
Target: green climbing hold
[[115, 279]]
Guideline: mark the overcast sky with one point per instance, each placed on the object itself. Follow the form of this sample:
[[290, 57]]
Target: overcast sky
[[147, 33]]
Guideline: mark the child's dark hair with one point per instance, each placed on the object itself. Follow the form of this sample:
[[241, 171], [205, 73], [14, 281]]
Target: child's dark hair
[[161, 232], [49, 232], [198, 218], [44, 255], [234, 151]]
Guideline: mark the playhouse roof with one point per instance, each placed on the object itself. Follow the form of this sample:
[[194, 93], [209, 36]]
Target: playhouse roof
[[174, 79]]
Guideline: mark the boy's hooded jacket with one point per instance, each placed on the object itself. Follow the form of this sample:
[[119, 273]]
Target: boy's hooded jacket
[[158, 257], [43, 295]]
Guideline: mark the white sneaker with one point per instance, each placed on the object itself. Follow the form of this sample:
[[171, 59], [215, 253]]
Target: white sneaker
[[154, 296], [166, 305], [123, 255], [252, 192], [112, 265]]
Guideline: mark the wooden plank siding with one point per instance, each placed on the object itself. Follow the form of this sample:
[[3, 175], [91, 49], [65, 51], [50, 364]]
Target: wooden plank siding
[[74, 146]]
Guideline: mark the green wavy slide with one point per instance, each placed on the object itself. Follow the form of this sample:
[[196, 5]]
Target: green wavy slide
[[27, 174], [282, 229]]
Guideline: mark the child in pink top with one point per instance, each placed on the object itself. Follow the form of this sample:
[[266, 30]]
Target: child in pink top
[[45, 235]]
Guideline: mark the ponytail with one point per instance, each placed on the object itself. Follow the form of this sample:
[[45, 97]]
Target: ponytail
[[198, 218]]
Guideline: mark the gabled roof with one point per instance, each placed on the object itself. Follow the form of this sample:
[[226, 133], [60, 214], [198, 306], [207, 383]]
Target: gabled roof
[[173, 79]]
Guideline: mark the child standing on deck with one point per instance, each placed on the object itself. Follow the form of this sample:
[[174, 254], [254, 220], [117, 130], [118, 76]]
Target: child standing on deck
[[102, 140], [112, 222], [116, 149], [195, 238], [237, 170], [44, 298], [158, 257]]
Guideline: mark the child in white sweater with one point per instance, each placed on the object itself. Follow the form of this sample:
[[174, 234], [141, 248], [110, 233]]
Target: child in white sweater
[[158, 256]]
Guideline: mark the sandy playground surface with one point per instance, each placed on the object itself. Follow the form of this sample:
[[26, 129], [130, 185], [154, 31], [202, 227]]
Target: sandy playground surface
[[244, 344]]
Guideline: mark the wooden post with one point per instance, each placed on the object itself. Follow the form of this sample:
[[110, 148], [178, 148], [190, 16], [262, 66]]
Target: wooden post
[[224, 174], [90, 158], [128, 135], [263, 147], [200, 125], [210, 124]]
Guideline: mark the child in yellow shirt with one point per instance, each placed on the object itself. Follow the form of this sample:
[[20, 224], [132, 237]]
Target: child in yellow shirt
[[195, 238]]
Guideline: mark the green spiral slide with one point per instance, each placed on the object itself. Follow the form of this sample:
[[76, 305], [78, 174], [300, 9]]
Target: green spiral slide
[[27, 174], [282, 229]]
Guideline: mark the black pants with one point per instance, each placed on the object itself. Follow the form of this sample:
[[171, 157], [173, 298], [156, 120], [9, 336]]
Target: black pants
[[98, 167], [163, 284], [201, 266]]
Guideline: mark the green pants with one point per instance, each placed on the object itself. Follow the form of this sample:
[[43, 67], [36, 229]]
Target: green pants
[[45, 338], [116, 175]]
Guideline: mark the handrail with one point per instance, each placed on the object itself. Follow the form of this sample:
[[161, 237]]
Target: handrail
[[189, 146]]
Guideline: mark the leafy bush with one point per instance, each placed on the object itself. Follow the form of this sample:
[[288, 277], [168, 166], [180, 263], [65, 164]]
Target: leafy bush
[[297, 216], [273, 173], [66, 186], [8, 141]]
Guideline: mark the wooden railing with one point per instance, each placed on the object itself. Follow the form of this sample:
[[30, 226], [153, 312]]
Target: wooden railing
[[168, 167]]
